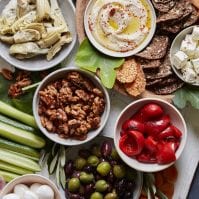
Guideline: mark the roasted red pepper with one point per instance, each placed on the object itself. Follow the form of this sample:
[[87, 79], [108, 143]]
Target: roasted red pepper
[[150, 144], [146, 158], [169, 133], [133, 125], [148, 112], [165, 153], [153, 128], [132, 143]]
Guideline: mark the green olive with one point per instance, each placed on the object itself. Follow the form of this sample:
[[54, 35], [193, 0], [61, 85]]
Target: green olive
[[111, 196], [73, 184], [104, 168], [93, 160], [119, 171], [95, 149], [115, 155], [86, 177], [96, 195], [80, 163], [101, 185]]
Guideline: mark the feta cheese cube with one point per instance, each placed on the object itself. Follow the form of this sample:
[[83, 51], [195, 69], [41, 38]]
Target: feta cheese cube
[[195, 33], [189, 75], [195, 63], [196, 54], [188, 47], [188, 65], [190, 39], [180, 59]]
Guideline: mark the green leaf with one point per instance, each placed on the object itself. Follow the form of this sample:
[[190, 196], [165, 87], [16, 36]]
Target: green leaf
[[90, 59], [187, 95]]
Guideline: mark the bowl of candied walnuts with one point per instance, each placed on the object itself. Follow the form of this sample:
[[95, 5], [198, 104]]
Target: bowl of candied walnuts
[[71, 106]]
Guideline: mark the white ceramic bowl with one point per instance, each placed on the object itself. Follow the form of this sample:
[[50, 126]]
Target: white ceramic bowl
[[112, 53], [176, 119], [176, 47], [29, 179], [60, 74], [39, 63], [72, 153]]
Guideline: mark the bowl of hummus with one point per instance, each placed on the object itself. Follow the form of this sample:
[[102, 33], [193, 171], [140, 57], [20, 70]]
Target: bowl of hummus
[[120, 28]]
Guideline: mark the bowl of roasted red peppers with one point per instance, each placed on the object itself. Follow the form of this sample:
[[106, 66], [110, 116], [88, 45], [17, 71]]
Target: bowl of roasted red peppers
[[150, 134]]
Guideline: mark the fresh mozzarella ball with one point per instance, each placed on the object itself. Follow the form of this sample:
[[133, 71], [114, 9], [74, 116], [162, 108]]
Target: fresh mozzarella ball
[[34, 187], [20, 189], [45, 192], [30, 195], [11, 196]]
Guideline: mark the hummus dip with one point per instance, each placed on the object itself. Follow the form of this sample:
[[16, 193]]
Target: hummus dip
[[120, 25]]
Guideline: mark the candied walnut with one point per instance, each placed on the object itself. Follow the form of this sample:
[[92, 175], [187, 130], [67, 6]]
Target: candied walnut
[[7, 74], [22, 80], [98, 92], [73, 123], [94, 121], [82, 95], [63, 129], [46, 123], [98, 106]]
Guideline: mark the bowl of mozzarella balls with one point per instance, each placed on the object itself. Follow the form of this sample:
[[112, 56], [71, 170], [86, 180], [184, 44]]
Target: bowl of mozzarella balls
[[30, 186], [184, 55]]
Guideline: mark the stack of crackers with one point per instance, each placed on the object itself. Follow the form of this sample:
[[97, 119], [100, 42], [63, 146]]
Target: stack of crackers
[[154, 61]]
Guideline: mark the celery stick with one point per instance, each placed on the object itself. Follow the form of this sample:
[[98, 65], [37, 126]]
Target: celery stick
[[21, 136], [12, 146], [17, 114], [14, 169], [19, 161], [7, 176]]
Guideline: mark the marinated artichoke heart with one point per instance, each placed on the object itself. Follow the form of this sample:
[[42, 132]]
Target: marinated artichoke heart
[[43, 9], [27, 50], [24, 21], [65, 39], [49, 40], [7, 39], [23, 7], [36, 26], [8, 17], [26, 36], [58, 19]]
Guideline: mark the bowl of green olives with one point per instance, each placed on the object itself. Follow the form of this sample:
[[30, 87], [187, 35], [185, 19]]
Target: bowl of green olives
[[95, 171]]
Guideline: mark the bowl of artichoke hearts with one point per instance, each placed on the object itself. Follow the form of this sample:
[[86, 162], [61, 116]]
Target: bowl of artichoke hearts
[[36, 35]]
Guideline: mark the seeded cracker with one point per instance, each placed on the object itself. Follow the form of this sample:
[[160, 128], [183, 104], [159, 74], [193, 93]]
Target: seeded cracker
[[127, 72], [138, 86], [157, 49]]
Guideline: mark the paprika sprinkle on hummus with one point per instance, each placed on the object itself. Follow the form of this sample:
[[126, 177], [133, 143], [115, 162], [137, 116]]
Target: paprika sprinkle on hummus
[[120, 25]]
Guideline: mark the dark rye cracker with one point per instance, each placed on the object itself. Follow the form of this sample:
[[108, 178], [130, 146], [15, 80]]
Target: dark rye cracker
[[192, 19], [164, 7], [156, 49], [164, 70], [168, 89], [150, 83], [147, 64], [162, 1], [175, 13]]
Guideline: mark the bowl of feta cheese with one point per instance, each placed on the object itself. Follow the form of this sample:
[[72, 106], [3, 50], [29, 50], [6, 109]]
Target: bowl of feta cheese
[[184, 55]]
